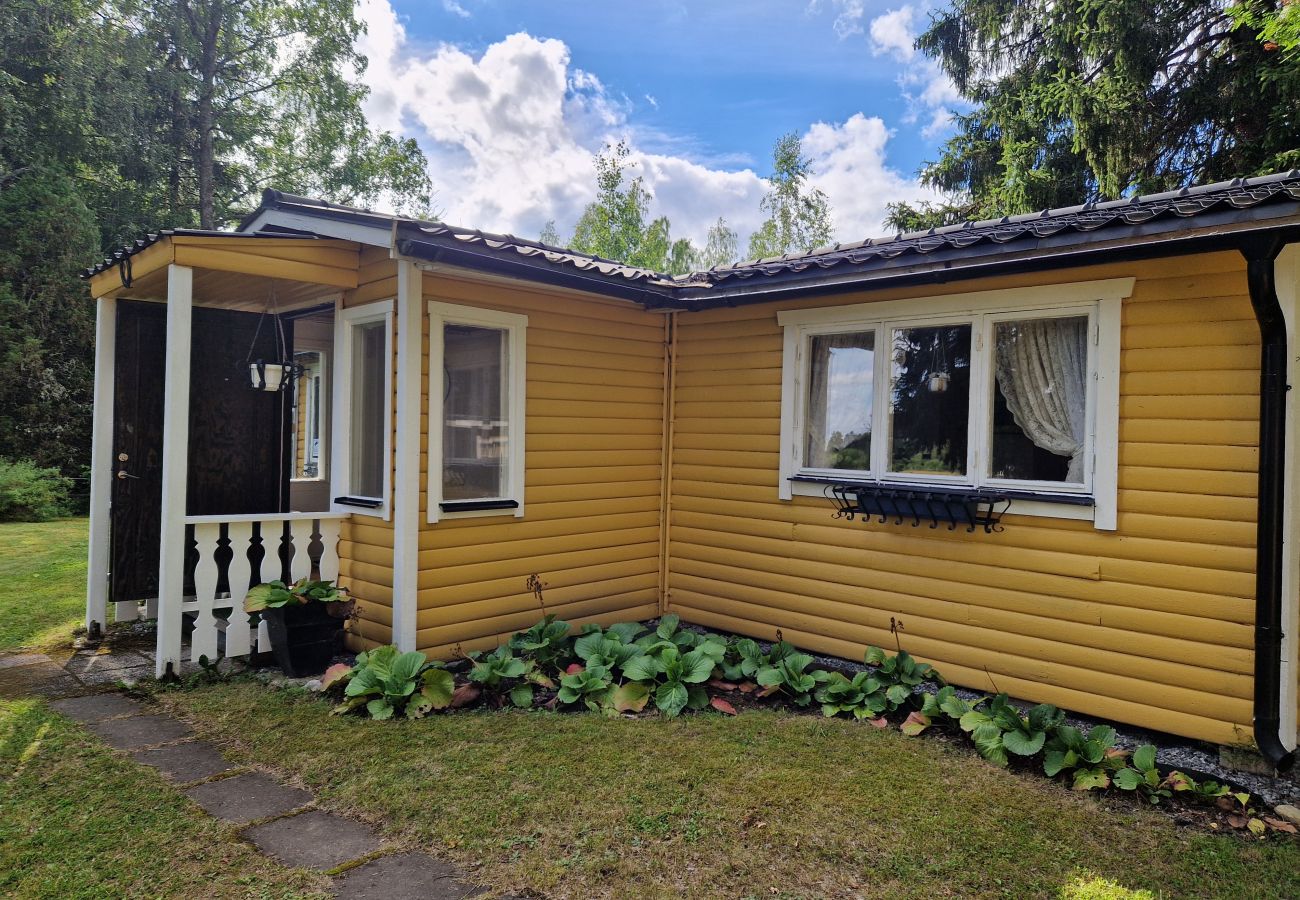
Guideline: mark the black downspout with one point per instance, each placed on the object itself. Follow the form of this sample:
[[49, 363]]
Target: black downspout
[[1261, 278]]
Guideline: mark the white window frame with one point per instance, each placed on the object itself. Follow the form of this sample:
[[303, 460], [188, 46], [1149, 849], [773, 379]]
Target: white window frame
[[341, 456], [1100, 301], [515, 325], [326, 426]]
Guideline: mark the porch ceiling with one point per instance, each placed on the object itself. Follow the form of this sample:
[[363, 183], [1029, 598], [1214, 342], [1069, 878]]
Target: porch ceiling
[[233, 271]]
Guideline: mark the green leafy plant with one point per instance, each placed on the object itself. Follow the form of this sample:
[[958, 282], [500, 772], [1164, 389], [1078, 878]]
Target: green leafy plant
[[942, 706], [609, 648], [862, 696], [787, 672], [998, 728], [547, 643], [899, 674], [386, 682], [1141, 775], [669, 629], [742, 659], [1091, 757], [29, 493], [501, 673], [590, 686], [677, 677], [277, 594]]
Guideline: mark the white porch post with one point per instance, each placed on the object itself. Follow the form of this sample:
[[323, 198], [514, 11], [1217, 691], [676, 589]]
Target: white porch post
[[101, 465], [175, 465], [406, 476]]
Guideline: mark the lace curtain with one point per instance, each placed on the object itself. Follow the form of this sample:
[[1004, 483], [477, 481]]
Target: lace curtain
[[819, 453], [1042, 369]]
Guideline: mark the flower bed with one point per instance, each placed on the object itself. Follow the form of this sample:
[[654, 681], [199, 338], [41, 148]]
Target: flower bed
[[632, 669]]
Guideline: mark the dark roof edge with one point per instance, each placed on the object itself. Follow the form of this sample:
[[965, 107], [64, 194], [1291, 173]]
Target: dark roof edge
[[540, 271], [1057, 252]]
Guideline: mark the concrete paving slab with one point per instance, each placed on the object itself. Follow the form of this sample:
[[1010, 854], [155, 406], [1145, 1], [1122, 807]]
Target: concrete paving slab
[[97, 707], [138, 732], [190, 761], [93, 663], [108, 677], [403, 876], [11, 660], [244, 798], [314, 840], [39, 680]]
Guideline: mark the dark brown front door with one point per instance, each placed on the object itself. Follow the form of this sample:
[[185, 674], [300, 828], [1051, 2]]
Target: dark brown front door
[[238, 441]]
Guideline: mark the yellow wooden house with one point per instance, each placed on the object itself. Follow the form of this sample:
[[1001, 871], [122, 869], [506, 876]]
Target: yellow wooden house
[[1052, 454]]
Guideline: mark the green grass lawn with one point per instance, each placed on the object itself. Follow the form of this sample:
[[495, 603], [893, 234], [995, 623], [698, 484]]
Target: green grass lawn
[[42, 582], [77, 820], [763, 805]]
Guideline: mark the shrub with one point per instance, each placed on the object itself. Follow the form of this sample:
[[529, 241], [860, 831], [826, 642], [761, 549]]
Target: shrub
[[29, 493]]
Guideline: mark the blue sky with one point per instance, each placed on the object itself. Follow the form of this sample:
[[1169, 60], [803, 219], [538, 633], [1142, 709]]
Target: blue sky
[[510, 100]]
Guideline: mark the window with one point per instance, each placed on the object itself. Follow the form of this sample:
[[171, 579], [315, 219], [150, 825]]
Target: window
[[309, 415], [1011, 390], [363, 420], [476, 411]]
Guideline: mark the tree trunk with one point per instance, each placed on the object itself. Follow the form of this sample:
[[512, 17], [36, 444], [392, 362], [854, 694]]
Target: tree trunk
[[207, 114]]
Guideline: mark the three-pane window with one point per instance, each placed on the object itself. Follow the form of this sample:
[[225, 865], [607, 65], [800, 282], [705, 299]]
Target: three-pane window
[[970, 399]]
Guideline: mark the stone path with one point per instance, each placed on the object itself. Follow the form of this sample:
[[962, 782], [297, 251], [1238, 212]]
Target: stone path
[[280, 821]]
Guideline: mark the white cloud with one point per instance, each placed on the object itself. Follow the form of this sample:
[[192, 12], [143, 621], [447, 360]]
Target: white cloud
[[510, 135], [931, 95], [849, 164], [455, 8]]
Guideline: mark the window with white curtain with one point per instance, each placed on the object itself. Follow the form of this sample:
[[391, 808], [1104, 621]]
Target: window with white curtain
[[476, 411], [954, 391]]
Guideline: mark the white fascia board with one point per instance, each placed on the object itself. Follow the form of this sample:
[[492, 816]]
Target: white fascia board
[[322, 226]]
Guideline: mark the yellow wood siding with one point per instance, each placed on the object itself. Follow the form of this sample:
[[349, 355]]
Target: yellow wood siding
[[1148, 624]]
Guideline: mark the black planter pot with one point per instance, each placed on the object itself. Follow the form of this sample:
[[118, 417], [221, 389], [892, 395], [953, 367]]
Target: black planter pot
[[305, 636]]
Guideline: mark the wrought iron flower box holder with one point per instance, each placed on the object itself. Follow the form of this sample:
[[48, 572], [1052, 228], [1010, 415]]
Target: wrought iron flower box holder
[[973, 509]]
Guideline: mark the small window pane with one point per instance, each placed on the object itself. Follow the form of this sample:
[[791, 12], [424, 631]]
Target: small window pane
[[1041, 398], [307, 424], [475, 430], [930, 399], [369, 409], [837, 426]]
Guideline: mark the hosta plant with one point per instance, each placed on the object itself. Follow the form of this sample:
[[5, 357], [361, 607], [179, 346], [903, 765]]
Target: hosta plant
[[609, 648], [942, 706], [997, 728], [386, 682], [589, 686], [678, 678], [276, 594], [1141, 775], [547, 643], [1090, 757], [862, 696], [899, 674], [502, 673], [742, 659], [787, 672]]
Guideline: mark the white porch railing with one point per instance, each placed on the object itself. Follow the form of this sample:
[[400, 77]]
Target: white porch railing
[[229, 555]]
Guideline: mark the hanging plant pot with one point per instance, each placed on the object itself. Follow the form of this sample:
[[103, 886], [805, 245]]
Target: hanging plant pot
[[939, 382], [269, 376]]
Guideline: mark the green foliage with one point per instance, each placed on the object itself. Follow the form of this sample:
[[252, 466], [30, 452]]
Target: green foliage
[[547, 643], [798, 215], [1141, 775], [742, 660], [386, 682], [900, 675], [998, 728], [863, 695], [501, 672], [1088, 101], [276, 594], [591, 686], [29, 493], [609, 649], [677, 677], [1091, 757], [786, 671]]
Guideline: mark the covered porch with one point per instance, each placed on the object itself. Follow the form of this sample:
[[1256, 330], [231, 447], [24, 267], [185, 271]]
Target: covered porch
[[201, 484]]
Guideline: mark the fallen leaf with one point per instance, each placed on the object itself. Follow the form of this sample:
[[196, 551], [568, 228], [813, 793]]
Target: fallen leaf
[[748, 687], [1237, 821], [881, 722], [1280, 825], [575, 669], [721, 685], [464, 695], [722, 706]]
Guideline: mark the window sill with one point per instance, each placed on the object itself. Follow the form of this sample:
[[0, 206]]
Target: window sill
[[361, 506], [474, 509], [1023, 503]]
